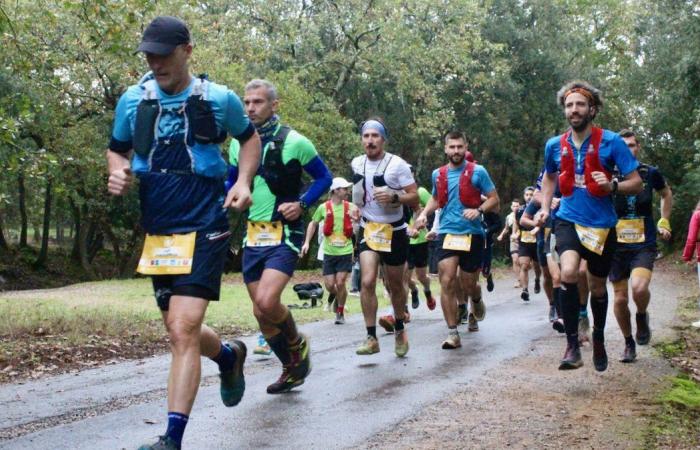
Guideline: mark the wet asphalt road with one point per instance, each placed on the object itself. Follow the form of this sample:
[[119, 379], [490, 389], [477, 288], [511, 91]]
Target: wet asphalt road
[[346, 399]]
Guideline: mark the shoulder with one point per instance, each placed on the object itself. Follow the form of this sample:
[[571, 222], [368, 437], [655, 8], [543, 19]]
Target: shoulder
[[221, 94], [295, 138], [131, 96], [399, 163]]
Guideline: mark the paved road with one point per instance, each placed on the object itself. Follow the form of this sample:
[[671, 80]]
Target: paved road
[[346, 399]]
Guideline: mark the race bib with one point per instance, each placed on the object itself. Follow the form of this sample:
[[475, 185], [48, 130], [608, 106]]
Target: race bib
[[460, 242], [378, 236], [167, 255], [592, 238], [264, 234], [630, 231], [337, 240], [527, 238]]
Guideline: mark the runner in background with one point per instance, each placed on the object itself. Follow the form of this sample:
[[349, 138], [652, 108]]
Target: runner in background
[[512, 230]]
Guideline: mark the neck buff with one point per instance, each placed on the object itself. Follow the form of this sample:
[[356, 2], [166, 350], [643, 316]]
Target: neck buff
[[267, 130]]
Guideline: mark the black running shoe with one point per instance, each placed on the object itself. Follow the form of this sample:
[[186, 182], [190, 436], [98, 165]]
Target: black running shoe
[[489, 283], [415, 301], [629, 354], [572, 359], [525, 295], [233, 381], [559, 325], [285, 383], [600, 356], [164, 443], [537, 285], [643, 334]]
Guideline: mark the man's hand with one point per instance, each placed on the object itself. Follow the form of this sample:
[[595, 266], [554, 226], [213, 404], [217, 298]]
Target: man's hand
[[471, 213], [602, 180], [119, 181], [431, 236], [411, 232], [291, 211], [499, 238], [420, 222], [383, 196], [238, 197], [304, 249], [555, 202], [542, 216], [665, 234]]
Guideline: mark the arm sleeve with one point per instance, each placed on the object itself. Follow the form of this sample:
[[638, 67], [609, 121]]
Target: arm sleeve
[[121, 133], [322, 180], [692, 240]]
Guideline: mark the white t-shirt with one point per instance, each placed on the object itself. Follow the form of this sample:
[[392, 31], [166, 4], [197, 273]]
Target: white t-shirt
[[397, 176]]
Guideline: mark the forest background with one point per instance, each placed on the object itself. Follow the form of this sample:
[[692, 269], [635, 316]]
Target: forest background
[[490, 68]]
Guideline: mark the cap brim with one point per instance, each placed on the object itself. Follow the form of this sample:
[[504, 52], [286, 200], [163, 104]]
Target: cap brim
[[157, 48]]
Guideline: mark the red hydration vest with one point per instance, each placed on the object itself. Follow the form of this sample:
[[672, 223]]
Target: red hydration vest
[[468, 194], [567, 171], [328, 222]]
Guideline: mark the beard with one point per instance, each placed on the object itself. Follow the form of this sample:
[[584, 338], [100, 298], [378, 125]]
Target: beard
[[456, 159], [585, 120]]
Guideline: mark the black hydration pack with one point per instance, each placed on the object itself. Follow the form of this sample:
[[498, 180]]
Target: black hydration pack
[[284, 180]]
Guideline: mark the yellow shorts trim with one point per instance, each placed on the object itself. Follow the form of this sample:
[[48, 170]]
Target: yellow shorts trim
[[620, 285], [641, 272]]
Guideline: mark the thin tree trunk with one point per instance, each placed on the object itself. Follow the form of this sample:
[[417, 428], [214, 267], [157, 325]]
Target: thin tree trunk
[[83, 245], [44, 251], [22, 210], [3, 242], [75, 230]]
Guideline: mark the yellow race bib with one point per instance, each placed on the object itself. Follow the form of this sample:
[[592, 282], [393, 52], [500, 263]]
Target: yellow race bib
[[527, 238], [264, 234], [167, 255], [337, 240], [378, 236], [630, 231], [592, 238], [461, 242]]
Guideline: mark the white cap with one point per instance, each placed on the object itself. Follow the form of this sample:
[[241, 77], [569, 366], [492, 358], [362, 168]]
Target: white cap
[[340, 182]]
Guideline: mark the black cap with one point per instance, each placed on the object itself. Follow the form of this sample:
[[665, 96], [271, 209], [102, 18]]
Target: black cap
[[164, 34]]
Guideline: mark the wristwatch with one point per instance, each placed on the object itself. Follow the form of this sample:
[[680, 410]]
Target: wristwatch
[[303, 205], [614, 185], [395, 198], [481, 211]]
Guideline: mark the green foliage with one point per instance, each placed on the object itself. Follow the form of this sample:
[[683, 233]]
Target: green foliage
[[685, 393]]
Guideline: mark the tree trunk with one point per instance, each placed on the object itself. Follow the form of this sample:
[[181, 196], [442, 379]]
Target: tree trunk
[[3, 242], [83, 247], [44, 252], [132, 253], [75, 230], [22, 210]]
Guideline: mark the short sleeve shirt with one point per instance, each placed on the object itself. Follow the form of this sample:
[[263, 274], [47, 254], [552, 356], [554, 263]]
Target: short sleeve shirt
[[657, 183], [451, 219], [330, 243], [397, 176], [423, 198], [581, 207]]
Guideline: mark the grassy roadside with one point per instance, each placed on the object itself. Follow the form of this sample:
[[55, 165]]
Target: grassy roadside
[[87, 324], [677, 423]]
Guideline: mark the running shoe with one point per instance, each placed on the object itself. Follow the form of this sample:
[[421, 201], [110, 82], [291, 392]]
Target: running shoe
[[559, 325], [552, 313], [300, 366], [525, 295], [479, 309], [473, 323], [401, 343], [262, 348], [629, 354], [233, 381], [430, 300], [584, 326], [387, 322], [285, 383], [489, 283], [415, 301], [369, 347], [339, 319], [164, 443], [643, 334], [600, 357], [572, 358], [537, 285], [452, 342]]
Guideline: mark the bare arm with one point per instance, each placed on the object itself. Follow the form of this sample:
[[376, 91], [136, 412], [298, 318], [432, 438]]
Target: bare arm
[[310, 231], [119, 169]]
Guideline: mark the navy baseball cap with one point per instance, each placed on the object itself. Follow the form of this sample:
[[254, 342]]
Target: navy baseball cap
[[163, 34]]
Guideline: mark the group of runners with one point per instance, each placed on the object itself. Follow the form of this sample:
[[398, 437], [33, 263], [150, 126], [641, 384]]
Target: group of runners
[[167, 133]]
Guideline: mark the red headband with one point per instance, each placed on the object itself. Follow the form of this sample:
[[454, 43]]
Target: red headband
[[583, 91]]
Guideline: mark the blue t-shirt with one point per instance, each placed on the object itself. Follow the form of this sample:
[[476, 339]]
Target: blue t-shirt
[[171, 202], [451, 219], [581, 207]]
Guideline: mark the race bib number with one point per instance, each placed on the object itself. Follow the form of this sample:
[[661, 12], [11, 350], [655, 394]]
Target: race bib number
[[337, 240], [460, 242], [592, 238], [378, 236], [527, 238], [630, 231], [167, 255], [264, 234]]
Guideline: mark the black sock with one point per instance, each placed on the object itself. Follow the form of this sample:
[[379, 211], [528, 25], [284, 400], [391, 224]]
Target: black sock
[[641, 316], [462, 309], [476, 300], [289, 328], [279, 344], [629, 341], [331, 298], [557, 300], [426, 292], [398, 326], [372, 331], [570, 306], [599, 308]]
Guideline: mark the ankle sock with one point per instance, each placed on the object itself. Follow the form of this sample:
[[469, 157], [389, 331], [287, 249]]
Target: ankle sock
[[372, 331], [176, 427], [398, 326], [599, 308], [225, 359], [570, 307], [629, 341]]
